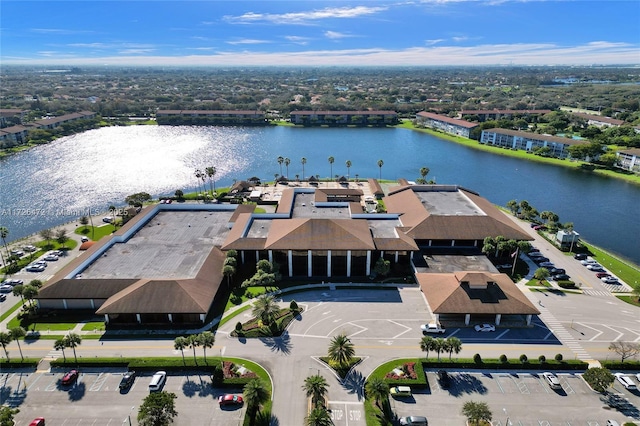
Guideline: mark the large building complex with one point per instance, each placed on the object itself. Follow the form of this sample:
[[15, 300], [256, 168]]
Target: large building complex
[[165, 264], [527, 141]]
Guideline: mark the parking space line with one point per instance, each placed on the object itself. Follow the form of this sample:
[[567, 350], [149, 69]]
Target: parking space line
[[502, 334], [498, 383], [407, 329], [38, 377], [97, 384]]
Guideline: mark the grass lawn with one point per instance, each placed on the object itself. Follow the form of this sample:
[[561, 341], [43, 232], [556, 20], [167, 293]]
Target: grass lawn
[[10, 311], [41, 326], [94, 326], [536, 283], [632, 300], [627, 272], [95, 232]]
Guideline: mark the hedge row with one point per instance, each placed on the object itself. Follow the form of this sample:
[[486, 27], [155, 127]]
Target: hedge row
[[496, 364], [617, 365], [18, 363]]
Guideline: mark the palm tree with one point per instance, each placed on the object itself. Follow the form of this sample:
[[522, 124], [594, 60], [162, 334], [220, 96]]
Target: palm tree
[[29, 292], [180, 343], [255, 393], [439, 345], [5, 339], [228, 271], [541, 274], [200, 176], [286, 163], [265, 308], [316, 388], [426, 345], [377, 389], [318, 417], [454, 345], [4, 233], [341, 350], [194, 342], [59, 345], [331, 160], [348, 164], [280, 161], [380, 164], [424, 171], [211, 172], [72, 340], [18, 291], [16, 334], [303, 161], [207, 340]]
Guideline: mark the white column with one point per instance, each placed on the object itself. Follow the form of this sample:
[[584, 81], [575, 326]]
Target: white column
[[368, 271], [467, 319], [242, 256], [529, 319], [138, 319], [257, 256], [396, 258], [170, 318], [382, 254], [498, 318], [290, 261], [309, 263], [106, 318], [93, 305], [453, 243], [348, 263], [328, 263], [271, 256], [202, 317], [64, 303]]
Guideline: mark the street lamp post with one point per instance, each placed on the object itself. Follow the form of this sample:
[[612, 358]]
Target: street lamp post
[[127, 421], [508, 422]]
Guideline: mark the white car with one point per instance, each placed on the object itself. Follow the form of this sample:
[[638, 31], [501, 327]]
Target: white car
[[552, 380], [432, 328], [50, 258], [626, 381], [588, 262], [485, 327], [34, 268], [6, 288], [107, 219], [610, 280]]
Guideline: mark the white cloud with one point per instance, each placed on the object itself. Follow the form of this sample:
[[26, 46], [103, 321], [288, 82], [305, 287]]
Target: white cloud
[[597, 52], [303, 41], [305, 17], [334, 35], [247, 41], [433, 41]]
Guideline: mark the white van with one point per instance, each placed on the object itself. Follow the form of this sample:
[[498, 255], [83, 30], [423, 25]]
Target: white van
[[413, 421], [157, 381]]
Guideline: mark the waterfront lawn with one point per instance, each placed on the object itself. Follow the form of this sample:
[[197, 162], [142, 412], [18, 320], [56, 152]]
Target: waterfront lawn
[[623, 270], [95, 232]]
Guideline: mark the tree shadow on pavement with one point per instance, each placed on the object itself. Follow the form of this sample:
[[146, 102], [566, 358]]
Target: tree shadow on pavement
[[196, 386], [354, 383], [465, 383], [278, 344]]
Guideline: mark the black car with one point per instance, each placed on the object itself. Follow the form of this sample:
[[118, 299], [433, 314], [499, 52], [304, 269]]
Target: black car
[[580, 256], [540, 260], [444, 379], [561, 277], [3, 297], [127, 380], [557, 271]]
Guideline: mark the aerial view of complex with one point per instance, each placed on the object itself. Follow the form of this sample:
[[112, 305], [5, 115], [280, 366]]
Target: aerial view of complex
[[319, 213]]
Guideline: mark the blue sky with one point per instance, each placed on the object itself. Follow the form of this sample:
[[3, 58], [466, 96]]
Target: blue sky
[[316, 33]]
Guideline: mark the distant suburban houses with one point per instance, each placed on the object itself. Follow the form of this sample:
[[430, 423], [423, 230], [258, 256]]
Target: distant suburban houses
[[342, 118], [165, 265], [211, 117], [629, 159], [598, 120], [496, 114], [528, 141], [17, 135]]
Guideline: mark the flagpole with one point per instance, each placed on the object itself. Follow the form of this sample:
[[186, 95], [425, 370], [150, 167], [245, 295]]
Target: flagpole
[[515, 259]]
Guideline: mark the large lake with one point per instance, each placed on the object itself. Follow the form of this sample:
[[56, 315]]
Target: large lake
[[58, 182]]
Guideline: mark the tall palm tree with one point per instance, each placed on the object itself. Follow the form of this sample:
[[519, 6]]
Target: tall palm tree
[[194, 342], [424, 171], [265, 308], [280, 161], [59, 345], [331, 160], [286, 163], [207, 340], [316, 388], [341, 350], [348, 164], [318, 417], [377, 389], [439, 345], [211, 172], [228, 271], [255, 393], [72, 340], [454, 345], [5, 339], [16, 334], [303, 161], [199, 176], [4, 233], [426, 345], [180, 343], [380, 164], [18, 291]]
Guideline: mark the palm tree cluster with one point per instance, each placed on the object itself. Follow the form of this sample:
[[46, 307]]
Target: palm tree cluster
[[202, 175], [439, 345], [316, 388], [255, 394], [206, 339], [71, 340], [341, 351], [229, 266]]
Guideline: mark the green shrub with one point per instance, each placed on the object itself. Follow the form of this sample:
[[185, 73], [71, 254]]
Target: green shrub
[[523, 359], [477, 359], [504, 359], [566, 284], [293, 306], [542, 359], [238, 326], [558, 357]]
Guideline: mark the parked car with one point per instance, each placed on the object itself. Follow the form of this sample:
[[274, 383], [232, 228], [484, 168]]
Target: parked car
[[533, 250], [546, 265], [556, 271], [413, 421], [107, 219], [58, 253], [560, 277], [12, 282], [6, 288], [533, 254], [17, 253], [626, 381], [30, 248], [610, 280], [70, 378], [400, 391], [612, 423], [539, 228], [638, 377], [3, 297], [580, 256], [552, 380], [40, 263], [444, 379], [603, 274], [432, 327], [37, 422], [157, 381], [230, 399], [127, 380], [34, 268], [50, 258], [540, 260], [595, 268], [485, 327], [505, 266], [586, 262]]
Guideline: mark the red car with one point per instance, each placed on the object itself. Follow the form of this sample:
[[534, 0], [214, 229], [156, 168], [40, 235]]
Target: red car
[[37, 422], [603, 274], [230, 399], [70, 377]]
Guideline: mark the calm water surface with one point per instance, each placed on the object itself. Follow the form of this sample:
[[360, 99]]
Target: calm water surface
[[58, 182]]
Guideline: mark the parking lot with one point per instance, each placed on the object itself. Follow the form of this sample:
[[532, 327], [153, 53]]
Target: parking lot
[[522, 397], [95, 399]]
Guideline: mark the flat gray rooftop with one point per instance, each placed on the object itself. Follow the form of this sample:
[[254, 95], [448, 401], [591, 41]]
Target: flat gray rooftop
[[383, 228], [259, 228], [449, 263], [448, 203], [172, 245], [304, 206]]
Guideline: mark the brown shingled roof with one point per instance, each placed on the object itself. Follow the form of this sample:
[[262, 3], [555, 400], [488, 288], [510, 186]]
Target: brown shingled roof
[[319, 234]]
